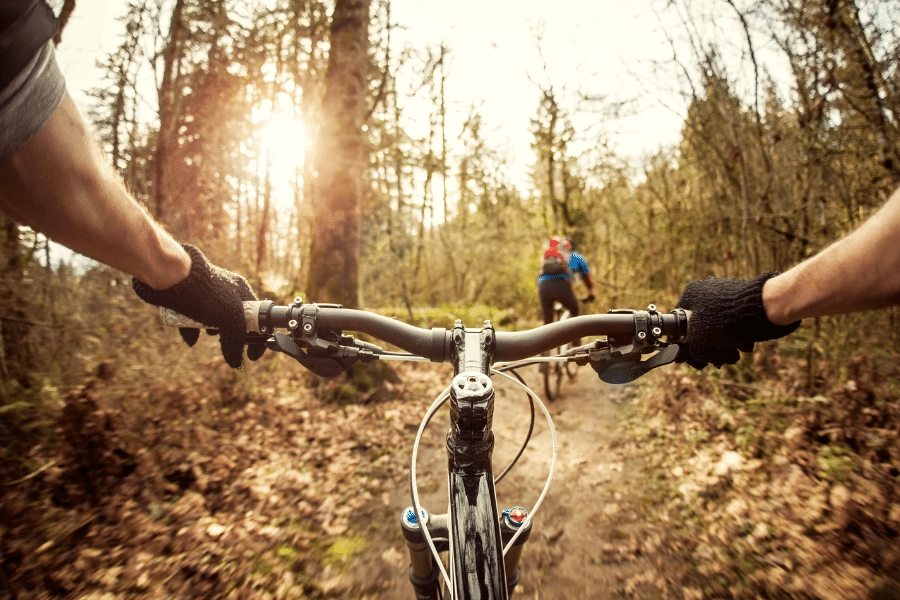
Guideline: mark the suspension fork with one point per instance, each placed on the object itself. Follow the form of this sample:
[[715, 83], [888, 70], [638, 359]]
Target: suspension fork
[[511, 521], [423, 573]]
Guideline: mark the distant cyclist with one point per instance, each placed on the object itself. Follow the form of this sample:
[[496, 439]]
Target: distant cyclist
[[559, 264]]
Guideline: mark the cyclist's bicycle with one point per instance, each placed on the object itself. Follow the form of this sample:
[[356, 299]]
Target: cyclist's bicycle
[[555, 373], [483, 544]]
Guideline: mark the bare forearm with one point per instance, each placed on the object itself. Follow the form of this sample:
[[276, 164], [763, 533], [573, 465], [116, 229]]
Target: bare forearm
[[588, 283], [859, 272], [60, 185]]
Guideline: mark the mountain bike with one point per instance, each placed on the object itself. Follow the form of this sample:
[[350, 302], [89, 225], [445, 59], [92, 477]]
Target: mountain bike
[[554, 373], [483, 544]]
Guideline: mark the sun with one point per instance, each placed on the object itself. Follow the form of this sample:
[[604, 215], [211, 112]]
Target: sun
[[284, 143]]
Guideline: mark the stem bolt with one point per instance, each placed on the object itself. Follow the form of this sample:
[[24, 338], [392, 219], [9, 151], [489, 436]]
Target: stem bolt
[[307, 328], [641, 335], [657, 331], [292, 324]]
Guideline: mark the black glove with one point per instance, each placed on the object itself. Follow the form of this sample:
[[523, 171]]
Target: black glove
[[727, 315], [212, 296]]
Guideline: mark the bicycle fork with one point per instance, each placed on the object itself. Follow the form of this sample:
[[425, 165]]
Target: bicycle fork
[[473, 533], [423, 572]]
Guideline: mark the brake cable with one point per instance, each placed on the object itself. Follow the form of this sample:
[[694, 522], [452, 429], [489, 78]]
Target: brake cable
[[509, 467]]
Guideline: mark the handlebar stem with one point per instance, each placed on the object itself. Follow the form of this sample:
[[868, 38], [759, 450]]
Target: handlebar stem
[[470, 444]]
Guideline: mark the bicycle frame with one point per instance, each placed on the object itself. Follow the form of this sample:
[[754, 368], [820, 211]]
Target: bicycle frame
[[561, 312], [473, 529]]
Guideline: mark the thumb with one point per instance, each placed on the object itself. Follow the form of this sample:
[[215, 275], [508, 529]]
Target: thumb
[[189, 335], [255, 351], [232, 337]]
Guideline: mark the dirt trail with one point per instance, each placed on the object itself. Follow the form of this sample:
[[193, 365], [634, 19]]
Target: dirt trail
[[591, 539]]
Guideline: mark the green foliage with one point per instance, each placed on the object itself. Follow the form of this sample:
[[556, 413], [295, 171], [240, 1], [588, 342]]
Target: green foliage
[[362, 383], [25, 421], [835, 463], [470, 315], [261, 567], [341, 393], [342, 550], [288, 553]]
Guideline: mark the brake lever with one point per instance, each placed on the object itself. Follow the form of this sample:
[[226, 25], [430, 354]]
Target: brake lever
[[626, 368], [339, 359]]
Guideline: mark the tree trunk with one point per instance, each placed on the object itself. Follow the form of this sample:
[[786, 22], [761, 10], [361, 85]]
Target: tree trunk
[[860, 53], [263, 230], [168, 100], [341, 160], [15, 352], [551, 164], [64, 13]]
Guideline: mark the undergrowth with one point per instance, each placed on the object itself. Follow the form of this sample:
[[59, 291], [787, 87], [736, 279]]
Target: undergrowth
[[785, 468]]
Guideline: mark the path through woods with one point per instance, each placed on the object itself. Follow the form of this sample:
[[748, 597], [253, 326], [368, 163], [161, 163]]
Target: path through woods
[[595, 534]]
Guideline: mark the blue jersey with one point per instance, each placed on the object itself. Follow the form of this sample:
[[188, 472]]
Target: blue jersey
[[577, 264]]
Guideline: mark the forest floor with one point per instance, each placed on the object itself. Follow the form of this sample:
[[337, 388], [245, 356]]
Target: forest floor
[[266, 483], [174, 491]]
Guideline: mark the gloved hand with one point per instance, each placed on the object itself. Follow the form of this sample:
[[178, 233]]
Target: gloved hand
[[589, 298], [727, 315], [212, 296]]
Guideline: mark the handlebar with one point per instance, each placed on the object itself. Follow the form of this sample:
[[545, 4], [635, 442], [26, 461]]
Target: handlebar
[[317, 342], [310, 320]]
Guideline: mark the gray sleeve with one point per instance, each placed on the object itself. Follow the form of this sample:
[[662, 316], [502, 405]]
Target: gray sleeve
[[29, 100]]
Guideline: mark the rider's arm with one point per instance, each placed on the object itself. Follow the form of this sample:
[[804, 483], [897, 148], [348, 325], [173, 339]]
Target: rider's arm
[[59, 184], [54, 178], [588, 283], [52, 174], [580, 266], [858, 272]]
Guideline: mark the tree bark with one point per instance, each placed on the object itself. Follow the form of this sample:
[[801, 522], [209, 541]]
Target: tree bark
[[551, 160], [263, 229], [168, 100], [859, 51], [341, 160]]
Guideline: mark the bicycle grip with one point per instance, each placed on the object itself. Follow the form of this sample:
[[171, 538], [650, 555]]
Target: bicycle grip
[[171, 318]]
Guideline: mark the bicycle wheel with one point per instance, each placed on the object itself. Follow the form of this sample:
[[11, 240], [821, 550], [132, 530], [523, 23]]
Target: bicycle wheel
[[569, 368], [559, 371], [548, 376], [554, 373]]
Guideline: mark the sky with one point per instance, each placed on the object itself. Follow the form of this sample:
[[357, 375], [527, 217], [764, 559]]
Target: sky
[[601, 46], [587, 45]]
